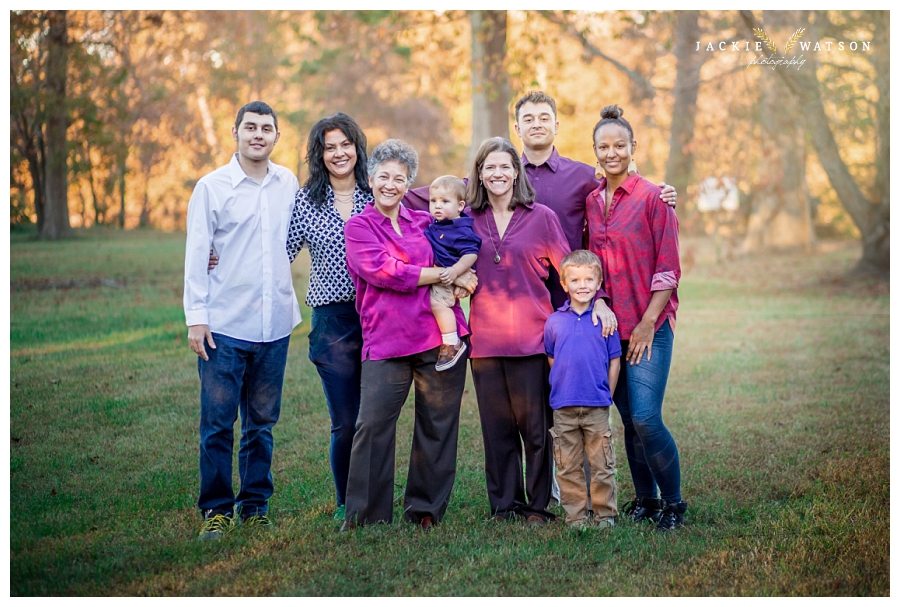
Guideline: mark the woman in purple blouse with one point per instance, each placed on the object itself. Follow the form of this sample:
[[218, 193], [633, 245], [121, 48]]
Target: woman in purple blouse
[[520, 241], [392, 265]]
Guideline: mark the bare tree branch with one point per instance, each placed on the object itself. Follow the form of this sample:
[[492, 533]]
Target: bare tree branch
[[647, 90]]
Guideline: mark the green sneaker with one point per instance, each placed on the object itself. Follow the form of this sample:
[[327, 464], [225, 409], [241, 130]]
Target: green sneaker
[[258, 521], [215, 526], [340, 513]]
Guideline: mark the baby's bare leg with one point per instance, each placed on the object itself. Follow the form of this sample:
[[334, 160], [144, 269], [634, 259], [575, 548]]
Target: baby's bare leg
[[444, 315]]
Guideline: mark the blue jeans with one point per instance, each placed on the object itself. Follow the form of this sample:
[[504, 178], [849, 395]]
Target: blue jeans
[[335, 347], [652, 454], [246, 377]]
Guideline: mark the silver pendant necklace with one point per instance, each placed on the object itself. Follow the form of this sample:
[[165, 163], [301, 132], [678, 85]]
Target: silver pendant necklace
[[505, 234]]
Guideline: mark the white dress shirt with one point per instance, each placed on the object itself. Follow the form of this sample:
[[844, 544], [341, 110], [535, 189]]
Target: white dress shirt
[[249, 295]]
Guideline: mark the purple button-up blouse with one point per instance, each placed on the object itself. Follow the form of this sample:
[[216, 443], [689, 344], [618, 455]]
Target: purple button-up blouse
[[511, 304], [394, 312]]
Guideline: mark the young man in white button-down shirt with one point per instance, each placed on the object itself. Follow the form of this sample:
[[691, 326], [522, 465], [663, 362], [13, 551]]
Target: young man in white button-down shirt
[[240, 316]]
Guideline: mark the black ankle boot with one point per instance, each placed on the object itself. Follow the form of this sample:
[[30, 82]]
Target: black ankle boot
[[644, 509], [672, 516]]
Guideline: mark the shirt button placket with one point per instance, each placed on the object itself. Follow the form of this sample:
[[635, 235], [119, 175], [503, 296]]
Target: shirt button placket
[[267, 265]]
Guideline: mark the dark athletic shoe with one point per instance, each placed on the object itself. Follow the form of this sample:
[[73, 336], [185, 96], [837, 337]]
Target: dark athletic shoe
[[449, 355], [215, 526], [644, 509], [672, 516], [257, 521]]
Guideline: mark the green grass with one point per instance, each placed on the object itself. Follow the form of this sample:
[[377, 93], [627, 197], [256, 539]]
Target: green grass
[[778, 398]]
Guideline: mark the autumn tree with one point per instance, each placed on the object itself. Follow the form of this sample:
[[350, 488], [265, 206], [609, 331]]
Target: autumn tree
[[871, 214], [39, 112], [490, 83]]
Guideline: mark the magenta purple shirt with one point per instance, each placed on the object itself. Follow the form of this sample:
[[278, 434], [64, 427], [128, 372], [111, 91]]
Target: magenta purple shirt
[[511, 304], [385, 266], [637, 243]]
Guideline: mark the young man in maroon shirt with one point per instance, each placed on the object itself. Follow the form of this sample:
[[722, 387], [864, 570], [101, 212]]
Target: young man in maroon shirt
[[560, 183]]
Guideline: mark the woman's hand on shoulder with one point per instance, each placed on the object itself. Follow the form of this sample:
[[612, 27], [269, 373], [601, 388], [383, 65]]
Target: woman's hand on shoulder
[[668, 194], [467, 280], [602, 313]]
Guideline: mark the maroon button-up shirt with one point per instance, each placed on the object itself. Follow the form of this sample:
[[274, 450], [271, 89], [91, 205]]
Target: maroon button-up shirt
[[637, 243], [511, 304], [563, 185], [394, 312]]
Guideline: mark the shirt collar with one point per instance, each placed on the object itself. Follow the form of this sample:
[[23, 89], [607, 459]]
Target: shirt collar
[[568, 308], [404, 213], [552, 162], [238, 175], [628, 185]]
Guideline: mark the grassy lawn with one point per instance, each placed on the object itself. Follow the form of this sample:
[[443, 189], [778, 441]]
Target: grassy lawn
[[778, 398]]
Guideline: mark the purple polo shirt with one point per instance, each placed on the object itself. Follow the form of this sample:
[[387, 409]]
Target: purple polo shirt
[[394, 312], [579, 376], [511, 304]]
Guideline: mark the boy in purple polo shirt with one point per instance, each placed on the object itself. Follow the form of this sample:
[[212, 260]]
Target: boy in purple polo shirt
[[584, 367], [455, 248]]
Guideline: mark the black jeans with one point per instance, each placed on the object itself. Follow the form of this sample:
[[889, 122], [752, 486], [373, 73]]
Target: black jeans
[[432, 460]]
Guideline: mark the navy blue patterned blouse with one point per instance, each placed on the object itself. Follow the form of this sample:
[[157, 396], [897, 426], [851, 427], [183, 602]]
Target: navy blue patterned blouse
[[322, 230]]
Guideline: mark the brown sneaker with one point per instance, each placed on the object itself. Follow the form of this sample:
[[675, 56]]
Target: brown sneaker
[[448, 355]]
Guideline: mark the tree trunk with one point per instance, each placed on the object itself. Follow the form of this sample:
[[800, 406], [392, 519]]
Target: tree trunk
[[680, 163], [781, 218], [122, 170], [872, 218], [144, 221], [490, 84], [55, 224]]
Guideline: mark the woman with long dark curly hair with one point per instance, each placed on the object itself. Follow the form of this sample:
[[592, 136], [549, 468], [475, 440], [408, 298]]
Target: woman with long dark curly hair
[[337, 189]]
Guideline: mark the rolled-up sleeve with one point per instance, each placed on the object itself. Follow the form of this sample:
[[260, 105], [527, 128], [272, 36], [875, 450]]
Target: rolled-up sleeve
[[664, 225], [201, 225], [369, 259]]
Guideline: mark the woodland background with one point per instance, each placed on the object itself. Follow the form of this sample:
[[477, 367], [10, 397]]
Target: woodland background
[[779, 394], [114, 115]]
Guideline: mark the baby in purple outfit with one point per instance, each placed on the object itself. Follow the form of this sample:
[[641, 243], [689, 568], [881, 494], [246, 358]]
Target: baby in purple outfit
[[455, 248]]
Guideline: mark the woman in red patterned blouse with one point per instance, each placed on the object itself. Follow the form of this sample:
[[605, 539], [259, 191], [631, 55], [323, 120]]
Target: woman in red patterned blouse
[[635, 234]]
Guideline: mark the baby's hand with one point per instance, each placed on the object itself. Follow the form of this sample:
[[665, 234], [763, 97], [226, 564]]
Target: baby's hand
[[449, 275]]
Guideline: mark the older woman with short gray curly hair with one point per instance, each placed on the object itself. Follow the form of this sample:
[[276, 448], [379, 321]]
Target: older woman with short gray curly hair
[[391, 264], [395, 150]]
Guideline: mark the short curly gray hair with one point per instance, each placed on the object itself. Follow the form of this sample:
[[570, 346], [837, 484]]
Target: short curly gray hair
[[395, 149]]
